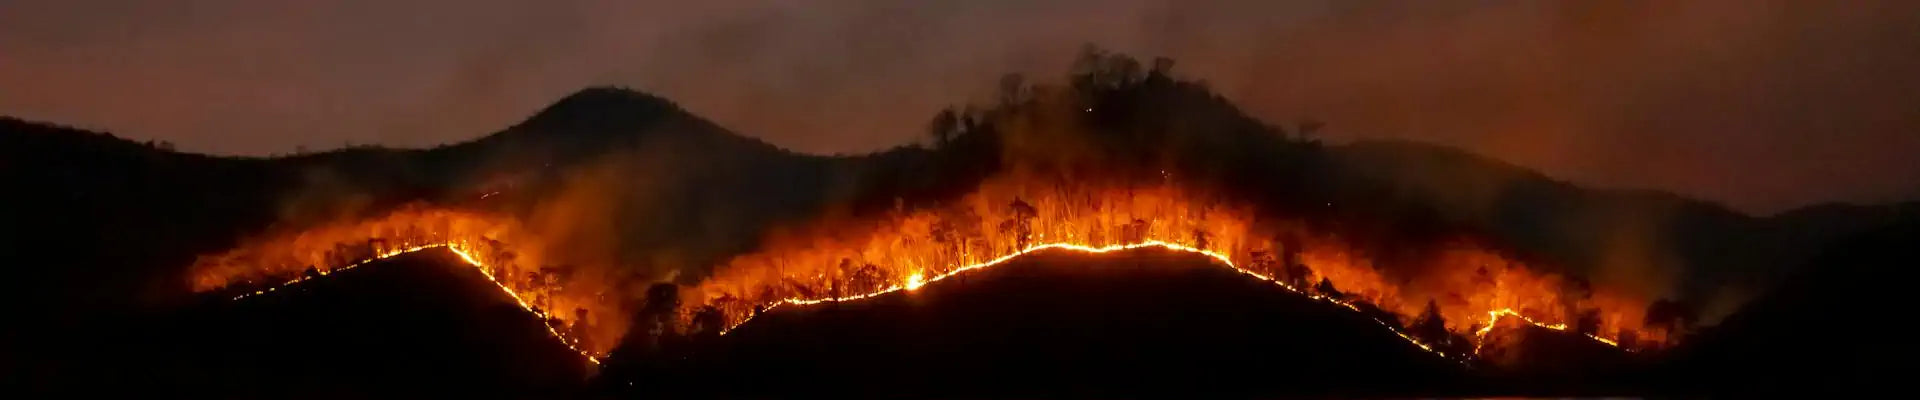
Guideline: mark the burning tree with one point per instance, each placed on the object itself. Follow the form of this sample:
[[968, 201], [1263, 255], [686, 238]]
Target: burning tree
[[1325, 288], [1019, 223], [657, 316], [1431, 327]]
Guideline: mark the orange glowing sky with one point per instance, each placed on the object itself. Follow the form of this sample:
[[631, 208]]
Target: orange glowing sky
[[1764, 105]]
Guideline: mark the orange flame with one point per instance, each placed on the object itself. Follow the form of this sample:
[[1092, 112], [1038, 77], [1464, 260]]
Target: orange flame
[[850, 259], [858, 259], [478, 240]]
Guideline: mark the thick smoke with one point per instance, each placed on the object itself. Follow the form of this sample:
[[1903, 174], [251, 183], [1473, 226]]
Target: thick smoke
[[1762, 105]]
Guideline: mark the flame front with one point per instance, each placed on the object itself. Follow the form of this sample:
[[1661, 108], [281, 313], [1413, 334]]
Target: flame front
[[848, 259], [851, 260], [478, 240]]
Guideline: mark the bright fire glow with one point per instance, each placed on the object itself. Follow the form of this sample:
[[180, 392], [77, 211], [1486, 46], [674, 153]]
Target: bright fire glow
[[844, 258], [472, 261], [1493, 318], [478, 240], [917, 280], [857, 258], [914, 282]]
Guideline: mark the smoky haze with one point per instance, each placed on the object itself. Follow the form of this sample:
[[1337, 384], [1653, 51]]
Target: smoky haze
[[1763, 105]]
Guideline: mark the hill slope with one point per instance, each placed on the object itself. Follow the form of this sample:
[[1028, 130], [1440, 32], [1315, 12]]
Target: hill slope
[[417, 323], [1706, 254], [101, 228], [1833, 327], [74, 193], [1052, 324]]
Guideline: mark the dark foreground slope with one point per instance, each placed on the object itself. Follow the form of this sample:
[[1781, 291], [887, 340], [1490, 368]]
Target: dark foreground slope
[[1839, 325], [419, 324], [1143, 322]]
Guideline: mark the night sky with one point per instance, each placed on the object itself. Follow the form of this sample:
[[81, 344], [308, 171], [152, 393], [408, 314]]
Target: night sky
[[1762, 105]]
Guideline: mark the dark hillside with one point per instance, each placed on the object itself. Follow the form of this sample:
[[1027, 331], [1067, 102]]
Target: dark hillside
[[1062, 324], [1835, 326], [1710, 251], [421, 323]]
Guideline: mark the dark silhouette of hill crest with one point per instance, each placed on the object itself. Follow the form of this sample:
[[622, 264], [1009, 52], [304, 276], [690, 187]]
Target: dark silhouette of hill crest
[[423, 322], [1063, 324], [103, 226], [1834, 326]]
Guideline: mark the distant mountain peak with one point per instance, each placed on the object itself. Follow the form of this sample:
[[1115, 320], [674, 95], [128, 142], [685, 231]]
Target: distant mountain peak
[[600, 120], [611, 95], [600, 107]]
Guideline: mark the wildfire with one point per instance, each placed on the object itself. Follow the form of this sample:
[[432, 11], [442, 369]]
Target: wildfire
[[378, 257], [917, 280], [545, 320], [471, 260], [852, 260], [479, 241], [1493, 318], [849, 259]]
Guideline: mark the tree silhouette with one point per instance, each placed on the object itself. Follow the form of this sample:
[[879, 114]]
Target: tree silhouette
[[579, 329], [866, 278], [1162, 68], [944, 126], [1430, 327], [1097, 70], [1325, 288], [1263, 262], [663, 299], [1298, 274], [1671, 316], [707, 323], [1587, 322], [1020, 224], [837, 284]]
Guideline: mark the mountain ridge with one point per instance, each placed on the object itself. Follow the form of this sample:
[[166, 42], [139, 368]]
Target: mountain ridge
[[114, 222], [585, 127]]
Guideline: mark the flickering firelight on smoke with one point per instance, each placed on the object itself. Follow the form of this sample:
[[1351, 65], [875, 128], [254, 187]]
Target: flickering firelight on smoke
[[850, 260], [838, 260]]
